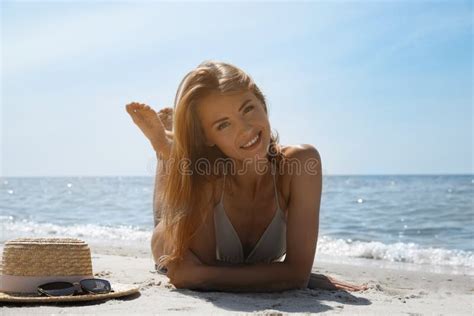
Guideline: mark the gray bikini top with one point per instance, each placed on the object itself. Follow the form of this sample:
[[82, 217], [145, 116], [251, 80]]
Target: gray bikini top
[[270, 247]]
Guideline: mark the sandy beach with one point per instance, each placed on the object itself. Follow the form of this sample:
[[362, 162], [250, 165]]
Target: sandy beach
[[392, 292]]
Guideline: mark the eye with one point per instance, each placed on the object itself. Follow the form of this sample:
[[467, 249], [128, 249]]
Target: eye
[[223, 125], [220, 126], [249, 107]]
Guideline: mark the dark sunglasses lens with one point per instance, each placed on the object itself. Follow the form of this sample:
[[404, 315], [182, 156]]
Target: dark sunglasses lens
[[56, 289], [98, 286]]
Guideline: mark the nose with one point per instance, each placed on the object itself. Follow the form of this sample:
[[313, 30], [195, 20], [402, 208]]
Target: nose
[[247, 130], [246, 126]]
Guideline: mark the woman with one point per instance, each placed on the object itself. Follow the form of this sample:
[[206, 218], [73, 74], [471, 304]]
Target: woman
[[234, 210]]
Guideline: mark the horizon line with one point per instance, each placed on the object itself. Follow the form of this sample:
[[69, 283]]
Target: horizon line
[[333, 174]]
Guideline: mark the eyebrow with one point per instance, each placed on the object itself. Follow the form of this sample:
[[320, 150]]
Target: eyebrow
[[225, 118]]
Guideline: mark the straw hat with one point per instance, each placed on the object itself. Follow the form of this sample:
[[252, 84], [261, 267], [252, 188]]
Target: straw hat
[[30, 262]]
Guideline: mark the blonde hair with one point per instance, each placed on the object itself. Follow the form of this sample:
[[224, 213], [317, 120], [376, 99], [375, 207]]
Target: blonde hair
[[184, 207]]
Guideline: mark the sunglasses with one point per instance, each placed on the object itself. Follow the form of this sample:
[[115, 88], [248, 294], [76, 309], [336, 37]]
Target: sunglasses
[[88, 286]]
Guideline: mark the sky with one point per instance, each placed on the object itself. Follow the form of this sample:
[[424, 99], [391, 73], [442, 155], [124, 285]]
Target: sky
[[378, 87]]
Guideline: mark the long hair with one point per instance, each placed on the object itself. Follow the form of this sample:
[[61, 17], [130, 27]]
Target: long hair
[[183, 206]]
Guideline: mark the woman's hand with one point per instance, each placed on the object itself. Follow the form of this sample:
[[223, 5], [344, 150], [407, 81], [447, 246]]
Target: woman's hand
[[319, 281], [185, 274]]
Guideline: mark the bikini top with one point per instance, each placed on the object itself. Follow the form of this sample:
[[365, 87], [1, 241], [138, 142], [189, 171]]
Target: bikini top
[[270, 247]]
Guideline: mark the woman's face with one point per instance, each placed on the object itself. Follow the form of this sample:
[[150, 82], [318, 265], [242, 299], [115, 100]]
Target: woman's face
[[231, 121]]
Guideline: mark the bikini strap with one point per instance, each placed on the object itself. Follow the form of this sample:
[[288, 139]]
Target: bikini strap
[[274, 185], [223, 188]]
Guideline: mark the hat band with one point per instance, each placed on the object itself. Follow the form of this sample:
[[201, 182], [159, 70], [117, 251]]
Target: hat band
[[29, 284]]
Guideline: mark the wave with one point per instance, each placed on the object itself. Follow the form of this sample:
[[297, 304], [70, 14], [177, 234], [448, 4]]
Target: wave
[[140, 238], [131, 236], [396, 252]]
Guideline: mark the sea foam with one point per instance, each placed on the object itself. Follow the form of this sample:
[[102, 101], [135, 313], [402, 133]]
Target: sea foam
[[131, 236]]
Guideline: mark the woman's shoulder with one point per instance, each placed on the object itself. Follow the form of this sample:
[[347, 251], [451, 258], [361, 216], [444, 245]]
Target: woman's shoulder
[[300, 153], [294, 155], [299, 160]]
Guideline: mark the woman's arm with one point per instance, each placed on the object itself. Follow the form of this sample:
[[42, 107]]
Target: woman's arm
[[258, 277], [193, 274], [302, 234]]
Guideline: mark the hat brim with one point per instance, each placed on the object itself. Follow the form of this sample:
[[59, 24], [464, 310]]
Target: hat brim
[[119, 291]]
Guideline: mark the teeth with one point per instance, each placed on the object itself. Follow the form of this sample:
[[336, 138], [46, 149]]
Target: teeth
[[250, 143]]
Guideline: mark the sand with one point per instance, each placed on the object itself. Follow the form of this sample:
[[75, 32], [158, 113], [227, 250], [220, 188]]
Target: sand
[[393, 291]]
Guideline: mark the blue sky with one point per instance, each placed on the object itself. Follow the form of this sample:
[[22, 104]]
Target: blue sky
[[378, 87]]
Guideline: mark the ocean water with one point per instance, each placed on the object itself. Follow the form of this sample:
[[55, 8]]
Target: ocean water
[[418, 220]]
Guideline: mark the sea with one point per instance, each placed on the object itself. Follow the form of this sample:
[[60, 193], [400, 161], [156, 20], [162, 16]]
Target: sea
[[402, 221]]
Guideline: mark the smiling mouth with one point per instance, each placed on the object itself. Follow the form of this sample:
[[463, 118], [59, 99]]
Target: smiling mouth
[[255, 142]]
